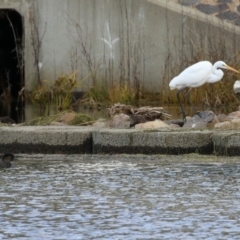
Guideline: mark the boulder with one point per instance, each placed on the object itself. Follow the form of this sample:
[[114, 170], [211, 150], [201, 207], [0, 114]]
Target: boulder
[[232, 115], [120, 121], [221, 117], [234, 124], [67, 117], [156, 124], [101, 123], [206, 119], [223, 126], [54, 123], [173, 125]]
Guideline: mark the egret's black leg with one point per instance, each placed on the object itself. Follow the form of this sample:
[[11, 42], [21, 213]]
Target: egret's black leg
[[193, 107], [179, 100]]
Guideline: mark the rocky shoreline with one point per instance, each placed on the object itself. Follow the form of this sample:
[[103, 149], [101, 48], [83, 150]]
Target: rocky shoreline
[[204, 133]]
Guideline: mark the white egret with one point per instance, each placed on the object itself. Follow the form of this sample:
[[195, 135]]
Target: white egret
[[236, 87], [197, 75]]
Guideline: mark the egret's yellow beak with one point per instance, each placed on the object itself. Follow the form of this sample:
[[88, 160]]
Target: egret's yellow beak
[[232, 69]]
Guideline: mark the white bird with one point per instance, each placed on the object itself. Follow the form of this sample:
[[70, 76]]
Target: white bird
[[197, 75], [236, 87]]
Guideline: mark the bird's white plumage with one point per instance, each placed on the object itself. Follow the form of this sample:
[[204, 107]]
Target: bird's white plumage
[[193, 76], [236, 86], [197, 75]]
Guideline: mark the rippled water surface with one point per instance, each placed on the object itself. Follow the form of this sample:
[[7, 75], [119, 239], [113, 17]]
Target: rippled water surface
[[120, 197]]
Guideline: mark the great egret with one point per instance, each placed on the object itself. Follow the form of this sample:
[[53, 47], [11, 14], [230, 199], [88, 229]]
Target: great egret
[[197, 75], [236, 87]]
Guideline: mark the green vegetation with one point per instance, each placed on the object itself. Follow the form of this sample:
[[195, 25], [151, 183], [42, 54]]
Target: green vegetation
[[79, 119], [58, 95]]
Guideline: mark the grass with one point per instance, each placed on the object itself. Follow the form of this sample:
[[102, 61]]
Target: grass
[[58, 95], [79, 120], [112, 94]]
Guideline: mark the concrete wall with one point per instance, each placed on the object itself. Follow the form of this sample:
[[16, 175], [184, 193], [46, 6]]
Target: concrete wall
[[119, 40]]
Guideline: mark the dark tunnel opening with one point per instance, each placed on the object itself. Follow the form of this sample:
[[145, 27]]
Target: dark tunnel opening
[[11, 61]]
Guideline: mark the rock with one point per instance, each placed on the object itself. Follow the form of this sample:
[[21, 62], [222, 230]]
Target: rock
[[234, 124], [238, 8], [58, 123], [173, 122], [210, 9], [152, 125], [101, 123], [7, 120], [201, 120], [232, 115], [221, 117], [188, 2], [223, 126], [228, 15], [237, 21], [173, 125], [225, 1], [120, 121], [67, 117]]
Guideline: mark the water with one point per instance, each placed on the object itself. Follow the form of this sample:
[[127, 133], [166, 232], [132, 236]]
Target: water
[[28, 111], [120, 197]]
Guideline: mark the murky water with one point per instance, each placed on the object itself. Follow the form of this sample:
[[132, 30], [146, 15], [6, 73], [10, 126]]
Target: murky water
[[28, 111], [120, 197]]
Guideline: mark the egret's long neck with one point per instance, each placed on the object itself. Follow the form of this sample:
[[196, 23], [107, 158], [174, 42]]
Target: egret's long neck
[[216, 75]]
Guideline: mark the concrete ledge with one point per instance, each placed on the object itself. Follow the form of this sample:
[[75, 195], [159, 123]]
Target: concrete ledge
[[89, 140], [227, 143], [152, 142], [49, 139]]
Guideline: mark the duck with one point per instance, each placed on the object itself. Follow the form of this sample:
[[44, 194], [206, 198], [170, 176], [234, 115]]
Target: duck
[[6, 160]]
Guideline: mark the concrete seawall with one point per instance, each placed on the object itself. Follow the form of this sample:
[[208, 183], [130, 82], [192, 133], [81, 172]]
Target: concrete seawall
[[89, 140]]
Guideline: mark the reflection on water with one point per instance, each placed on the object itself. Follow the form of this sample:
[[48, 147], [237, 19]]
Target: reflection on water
[[120, 197]]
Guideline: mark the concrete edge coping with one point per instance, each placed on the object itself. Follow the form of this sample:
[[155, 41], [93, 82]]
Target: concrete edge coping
[[90, 140]]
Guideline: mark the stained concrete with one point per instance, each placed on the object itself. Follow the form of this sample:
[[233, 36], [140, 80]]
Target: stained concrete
[[90, 140], [227, 143], [125, 39], [46, 139], [152, 142]]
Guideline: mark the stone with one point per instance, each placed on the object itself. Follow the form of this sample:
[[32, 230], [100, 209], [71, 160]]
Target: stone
[[225, 1], [67, 117], [221, 117], [228, 125], [201, 120], [235, 123], [120, 121], [188, 2], [233, 115], [7, 120], [173, 126], [223, 126], [58, 123], [238, 8], [210, 9], [101, 123], [237, 21], [152, 125], [228, 15]]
